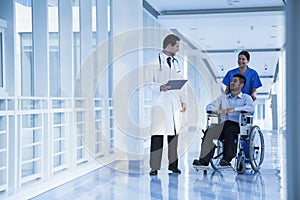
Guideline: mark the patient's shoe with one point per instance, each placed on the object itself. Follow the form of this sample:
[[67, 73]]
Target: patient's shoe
[[200, 162], [224, 163]]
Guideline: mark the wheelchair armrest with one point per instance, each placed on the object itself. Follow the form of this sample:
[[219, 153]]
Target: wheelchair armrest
[[246, 113]]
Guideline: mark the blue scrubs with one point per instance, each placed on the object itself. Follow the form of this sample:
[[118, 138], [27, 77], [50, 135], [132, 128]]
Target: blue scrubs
[[252, 79]]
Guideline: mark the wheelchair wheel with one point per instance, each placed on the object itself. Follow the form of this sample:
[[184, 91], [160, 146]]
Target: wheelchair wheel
[[218, 155], [241, 166], [256, 148]]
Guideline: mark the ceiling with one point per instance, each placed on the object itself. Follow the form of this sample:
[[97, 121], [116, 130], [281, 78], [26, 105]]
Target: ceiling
[[224, 27]]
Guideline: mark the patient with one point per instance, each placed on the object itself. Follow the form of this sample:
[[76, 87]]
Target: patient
[[229, 107]]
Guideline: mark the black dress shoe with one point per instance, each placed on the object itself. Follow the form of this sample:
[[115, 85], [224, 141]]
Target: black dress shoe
[[153, 172], [200, 162], [175, 170]]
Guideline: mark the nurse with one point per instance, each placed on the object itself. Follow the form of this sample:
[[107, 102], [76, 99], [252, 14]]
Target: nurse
[[167, 104], [252, 79]]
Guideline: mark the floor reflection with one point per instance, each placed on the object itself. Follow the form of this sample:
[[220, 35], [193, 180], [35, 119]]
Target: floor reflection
[[109, 183], [155, 188]]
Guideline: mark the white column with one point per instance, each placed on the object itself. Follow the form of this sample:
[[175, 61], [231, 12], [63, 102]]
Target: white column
[[102, 48], [66, 47], [293, 98], [102, 20], [40, 39], [7, 14], [126, 58], [85, 13], [7, 10]]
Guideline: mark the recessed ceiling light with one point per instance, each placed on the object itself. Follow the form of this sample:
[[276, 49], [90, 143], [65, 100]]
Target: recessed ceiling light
[[273, 36], [193, 29]]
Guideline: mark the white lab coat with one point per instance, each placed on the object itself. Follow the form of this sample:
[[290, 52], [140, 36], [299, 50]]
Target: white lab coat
[[166, 115]]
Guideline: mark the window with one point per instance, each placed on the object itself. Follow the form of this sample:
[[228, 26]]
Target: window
[[1, 59]]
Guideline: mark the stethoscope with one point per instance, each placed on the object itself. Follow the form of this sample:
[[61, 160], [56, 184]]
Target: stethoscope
[[173, 59]]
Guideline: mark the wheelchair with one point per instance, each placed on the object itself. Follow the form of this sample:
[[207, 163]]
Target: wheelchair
[[250, 144]]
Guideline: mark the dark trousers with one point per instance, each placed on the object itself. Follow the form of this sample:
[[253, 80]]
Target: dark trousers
[[226, 131], [156, 149]]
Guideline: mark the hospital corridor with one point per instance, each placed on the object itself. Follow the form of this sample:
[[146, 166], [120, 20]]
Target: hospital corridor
[[146, 99]]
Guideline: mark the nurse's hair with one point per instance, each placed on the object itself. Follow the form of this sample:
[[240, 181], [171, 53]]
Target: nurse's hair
[[246, 54], [242, 78], [170, 39]]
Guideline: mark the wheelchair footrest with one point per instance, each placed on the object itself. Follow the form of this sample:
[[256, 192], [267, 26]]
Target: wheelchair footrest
[[201, 167]]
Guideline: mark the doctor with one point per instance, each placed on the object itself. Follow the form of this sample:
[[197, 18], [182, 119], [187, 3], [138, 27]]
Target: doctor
[[167, 105]]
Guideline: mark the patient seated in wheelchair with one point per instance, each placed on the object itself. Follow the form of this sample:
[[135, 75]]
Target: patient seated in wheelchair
[[228, 107]]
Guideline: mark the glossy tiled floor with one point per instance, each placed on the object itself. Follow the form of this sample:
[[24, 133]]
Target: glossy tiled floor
[[108, 183]]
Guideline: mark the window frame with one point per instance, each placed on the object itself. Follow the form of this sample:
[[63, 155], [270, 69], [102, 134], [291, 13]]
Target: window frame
[[3, 26]]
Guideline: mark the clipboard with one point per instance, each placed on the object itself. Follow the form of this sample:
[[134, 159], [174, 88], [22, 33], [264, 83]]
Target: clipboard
[[176, 84]]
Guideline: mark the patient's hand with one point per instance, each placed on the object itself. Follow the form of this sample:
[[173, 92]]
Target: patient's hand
[[225, 111]]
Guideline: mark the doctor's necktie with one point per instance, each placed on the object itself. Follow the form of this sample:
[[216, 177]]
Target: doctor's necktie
[[169, 61]]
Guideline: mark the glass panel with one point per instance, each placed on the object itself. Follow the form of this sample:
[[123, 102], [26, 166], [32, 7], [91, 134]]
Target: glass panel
[[11, 104], [98, 136], [2, 104], [58, 132], [2, 123], [78, 103], [79, 154], [2, 159], [31, 152], [98, 125], [59, 160], [59, 146], [58, 118], [58, 104], [1, 61], [79, 116], [98, 114], [98, 103], [2, 141], [31, 168], [98, 148], [2, 177], [31, 120], [79, 128], [31, 104], [31, 136], [79, 141]]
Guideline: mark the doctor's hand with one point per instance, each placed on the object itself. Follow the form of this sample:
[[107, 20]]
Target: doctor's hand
[[183, 107], [164, 88]]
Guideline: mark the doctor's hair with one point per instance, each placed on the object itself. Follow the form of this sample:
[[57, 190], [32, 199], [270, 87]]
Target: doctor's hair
[[242, 78], [246, 54], [170, 39]]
